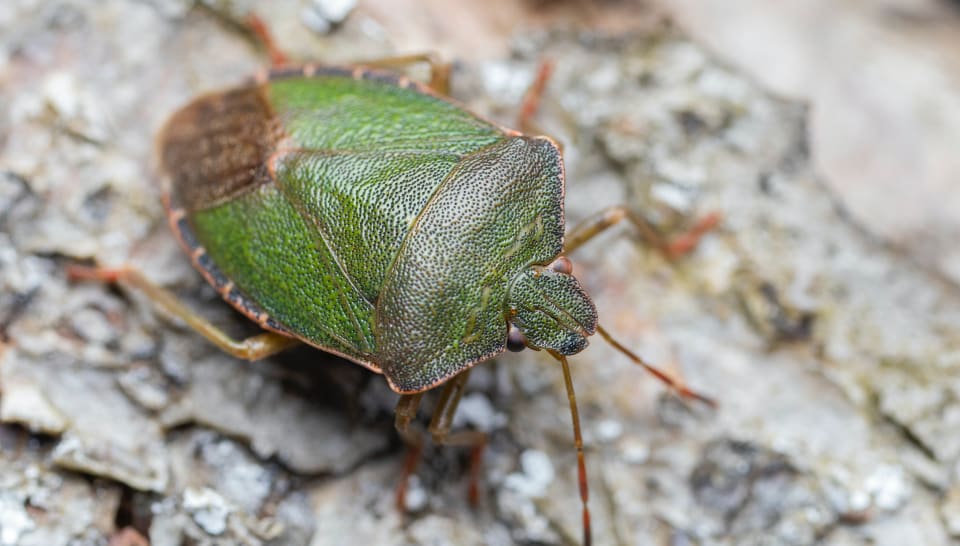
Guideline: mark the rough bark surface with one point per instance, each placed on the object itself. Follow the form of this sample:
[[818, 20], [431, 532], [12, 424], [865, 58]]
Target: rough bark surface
[[834, 357]]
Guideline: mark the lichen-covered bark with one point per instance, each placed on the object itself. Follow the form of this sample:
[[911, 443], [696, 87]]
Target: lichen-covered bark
[[832, 357]]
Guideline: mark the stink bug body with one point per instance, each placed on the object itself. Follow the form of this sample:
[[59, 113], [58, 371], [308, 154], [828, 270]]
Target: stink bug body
[[369, 216], [374, 220]]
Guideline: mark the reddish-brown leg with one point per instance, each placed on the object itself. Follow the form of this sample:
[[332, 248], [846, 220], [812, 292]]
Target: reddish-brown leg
[[671, 249], [439, 71], [533, 96], [476, 440], [262, 33], [687, 241], [252, 348], [593, 226], [476, 465], [128, 536], [404, 414], [439, 430], [609, 217]]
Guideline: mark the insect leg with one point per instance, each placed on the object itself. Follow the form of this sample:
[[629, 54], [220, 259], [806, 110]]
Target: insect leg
[[532, 98], [404, 414], [439, 431], [260, 31], [251, 348], [439, 71], [609, 217], [442, 421]]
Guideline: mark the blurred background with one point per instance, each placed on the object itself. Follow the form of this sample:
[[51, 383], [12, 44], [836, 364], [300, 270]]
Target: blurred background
[[823, 314]]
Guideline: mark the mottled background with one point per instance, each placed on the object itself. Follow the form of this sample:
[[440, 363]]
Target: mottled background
[[823, 315]]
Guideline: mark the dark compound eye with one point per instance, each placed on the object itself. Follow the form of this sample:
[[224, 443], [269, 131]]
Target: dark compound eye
[[515, 340]]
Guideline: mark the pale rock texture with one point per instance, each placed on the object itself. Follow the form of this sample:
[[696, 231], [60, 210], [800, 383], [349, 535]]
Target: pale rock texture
[[832, 356]]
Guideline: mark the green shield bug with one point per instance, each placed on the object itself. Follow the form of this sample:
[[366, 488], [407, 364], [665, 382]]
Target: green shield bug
[[369, 216]]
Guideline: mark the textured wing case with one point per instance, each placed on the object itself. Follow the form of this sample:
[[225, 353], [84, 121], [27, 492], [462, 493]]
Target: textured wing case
[[442, 308], [298, 194]]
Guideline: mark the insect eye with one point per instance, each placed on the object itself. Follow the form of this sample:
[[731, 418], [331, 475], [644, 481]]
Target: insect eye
[[562, 265], [515, 340]]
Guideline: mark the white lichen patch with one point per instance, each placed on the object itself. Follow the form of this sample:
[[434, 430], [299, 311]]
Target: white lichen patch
[[535, 476], [208, 509], [27, 405]]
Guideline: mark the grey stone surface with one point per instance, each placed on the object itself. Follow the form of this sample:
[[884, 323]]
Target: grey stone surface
[[885, 105], [833, 358]]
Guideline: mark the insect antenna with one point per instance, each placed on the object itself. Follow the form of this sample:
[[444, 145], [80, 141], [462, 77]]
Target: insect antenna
[[663, 376], [578, 443]]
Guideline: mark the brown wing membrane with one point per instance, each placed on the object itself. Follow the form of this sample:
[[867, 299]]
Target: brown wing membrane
[[218, 147]]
